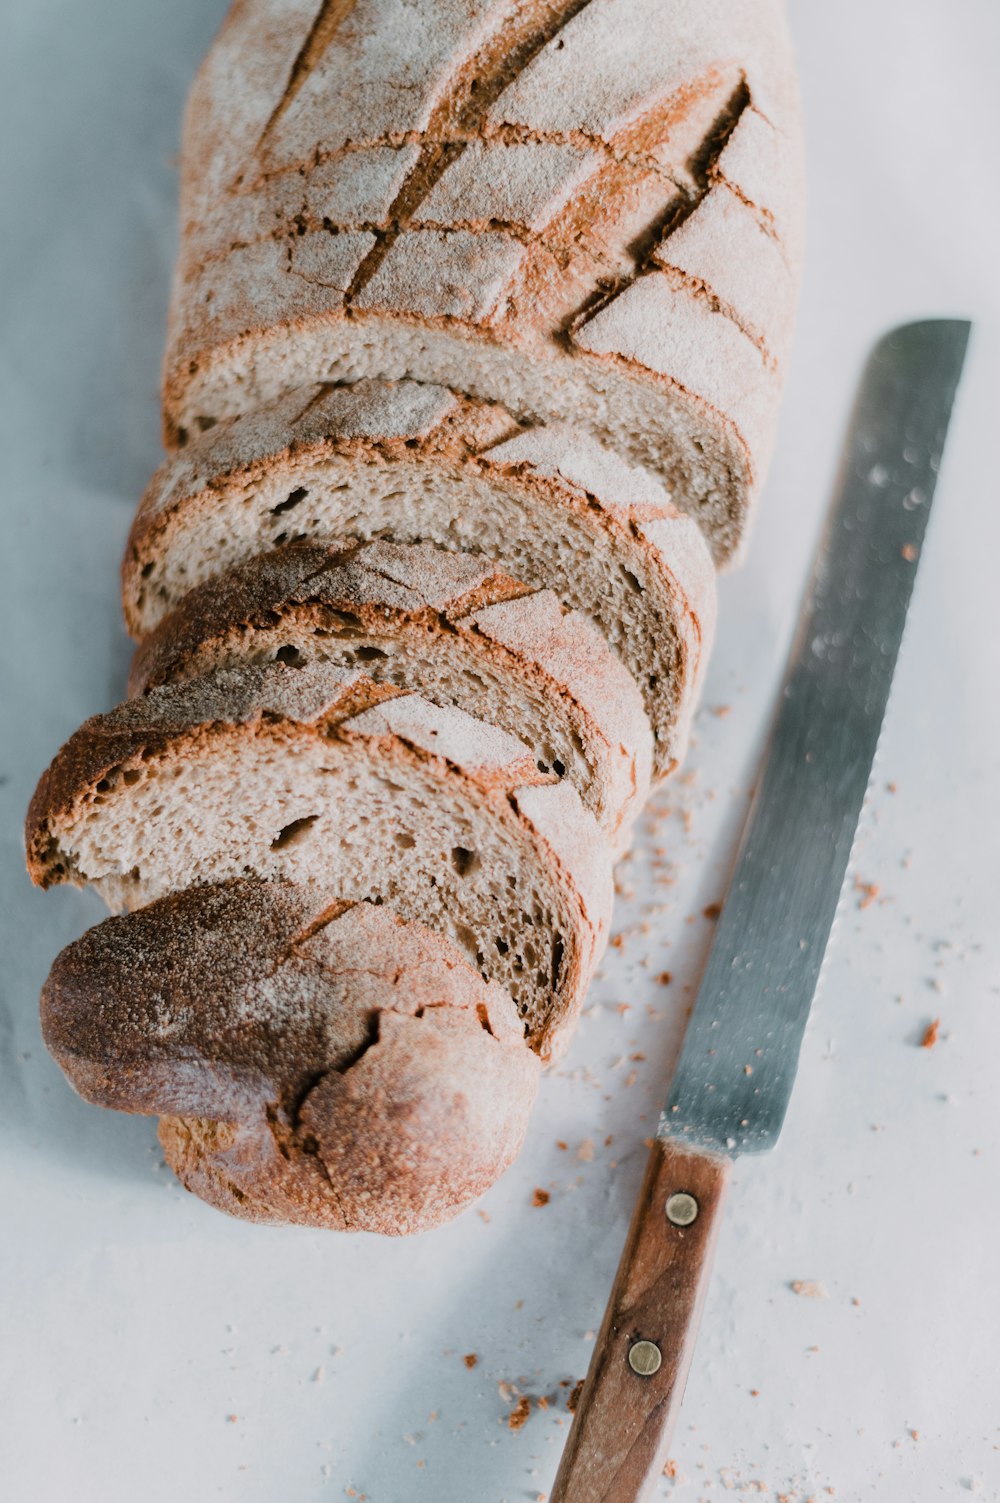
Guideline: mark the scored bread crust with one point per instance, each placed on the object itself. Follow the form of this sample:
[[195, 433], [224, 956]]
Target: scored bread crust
[[450, 626], [590, 212], [320, 775], [417, 463], [312, 1062]]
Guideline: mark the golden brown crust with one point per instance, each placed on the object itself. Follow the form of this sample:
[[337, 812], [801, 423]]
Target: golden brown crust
[[314, 1062]]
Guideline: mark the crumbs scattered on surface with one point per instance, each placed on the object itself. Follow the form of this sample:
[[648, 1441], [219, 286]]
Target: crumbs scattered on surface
[[540, 1198], [663, 979], [869, 891], [808, 1288], [712, 911], [520, 1414], [585, 1152], [931, 1034], [232, 1419], [470, 1359], [573, 1397], [909, 552]]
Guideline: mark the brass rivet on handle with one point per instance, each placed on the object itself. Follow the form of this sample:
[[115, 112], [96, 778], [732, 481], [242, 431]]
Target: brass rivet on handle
[[644, 1358], [682, 1209]]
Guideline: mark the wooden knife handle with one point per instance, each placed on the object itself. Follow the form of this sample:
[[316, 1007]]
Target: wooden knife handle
[[618, 1444]]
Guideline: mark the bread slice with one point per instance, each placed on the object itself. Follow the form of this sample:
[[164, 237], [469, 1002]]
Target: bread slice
[[588, 210], [416, 464], [313, 1061], [315, 775], [451, 626]]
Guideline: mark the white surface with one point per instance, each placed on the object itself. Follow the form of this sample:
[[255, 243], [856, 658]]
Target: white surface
[[137, 1322]]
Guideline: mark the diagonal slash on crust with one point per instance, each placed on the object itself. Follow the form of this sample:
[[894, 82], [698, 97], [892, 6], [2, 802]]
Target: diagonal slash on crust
[[321, 33]]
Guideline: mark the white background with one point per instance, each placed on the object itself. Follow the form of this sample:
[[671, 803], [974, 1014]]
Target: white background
[[137, 1321]]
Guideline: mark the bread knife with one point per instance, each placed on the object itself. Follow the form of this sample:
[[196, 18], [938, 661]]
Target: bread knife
[[733, 1080]]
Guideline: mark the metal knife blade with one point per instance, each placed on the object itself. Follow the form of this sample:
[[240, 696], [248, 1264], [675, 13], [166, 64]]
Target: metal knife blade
[[758, 986]]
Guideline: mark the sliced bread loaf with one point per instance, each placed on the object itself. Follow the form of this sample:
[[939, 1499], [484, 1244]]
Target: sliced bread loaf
[[589, 210], [315, 775], [416, 464], [450, 626], [313, 1061]]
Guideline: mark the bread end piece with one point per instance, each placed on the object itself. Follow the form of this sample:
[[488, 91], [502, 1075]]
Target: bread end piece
[[325, 1065]]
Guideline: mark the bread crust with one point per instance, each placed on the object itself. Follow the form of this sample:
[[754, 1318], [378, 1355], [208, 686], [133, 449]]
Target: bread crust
[[542, 179], [379, 602], [313, 1062]]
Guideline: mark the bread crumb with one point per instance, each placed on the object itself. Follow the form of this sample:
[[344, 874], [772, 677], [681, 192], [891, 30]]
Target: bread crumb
[[470, 1359], [585, 1152], [721, 711], [232, 1419], [573, 1397], [809, 1288], [664, 978], [483, 1216], [712, 911], [909, 552], [869, 892], [670, 1469], [755, 1393], [561, 1145], [519, 1415], [540, 1198], [931, 1033]]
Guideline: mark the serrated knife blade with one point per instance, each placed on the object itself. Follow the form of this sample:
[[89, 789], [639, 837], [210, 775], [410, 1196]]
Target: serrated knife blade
[[741, 1047]]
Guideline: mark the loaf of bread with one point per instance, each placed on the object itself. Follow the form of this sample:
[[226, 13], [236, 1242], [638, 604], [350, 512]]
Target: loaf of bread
[[477, 336]]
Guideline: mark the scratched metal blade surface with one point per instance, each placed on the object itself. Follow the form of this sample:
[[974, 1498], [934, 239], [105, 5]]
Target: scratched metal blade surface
[[757, 988]]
